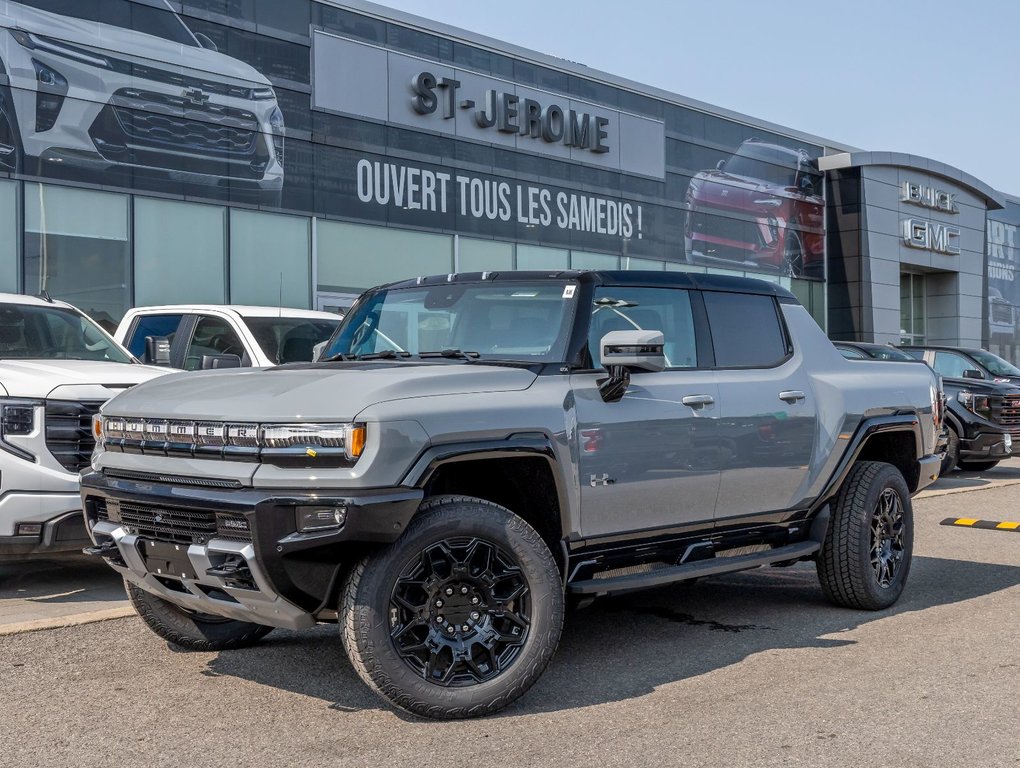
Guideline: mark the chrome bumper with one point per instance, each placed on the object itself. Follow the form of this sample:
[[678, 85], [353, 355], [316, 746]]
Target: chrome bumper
[[260, 605]]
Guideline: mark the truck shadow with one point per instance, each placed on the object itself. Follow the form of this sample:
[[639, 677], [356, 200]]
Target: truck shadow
[[625, 647], [60, 580]]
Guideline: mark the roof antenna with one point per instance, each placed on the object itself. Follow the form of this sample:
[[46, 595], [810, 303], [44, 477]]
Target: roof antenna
[[45, 296], [279, 306]]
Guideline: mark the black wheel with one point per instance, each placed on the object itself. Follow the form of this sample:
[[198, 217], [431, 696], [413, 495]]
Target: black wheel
[[977, 466], [865, 558], [459, 616], [952, 452], [193, 631], [793, 253], [11, 155]]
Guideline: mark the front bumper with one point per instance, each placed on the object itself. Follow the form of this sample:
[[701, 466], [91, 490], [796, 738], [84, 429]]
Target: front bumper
[[61, 535], [992, 446], [270, 574]]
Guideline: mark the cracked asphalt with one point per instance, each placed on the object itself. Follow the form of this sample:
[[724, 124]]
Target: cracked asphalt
[[752, 669]]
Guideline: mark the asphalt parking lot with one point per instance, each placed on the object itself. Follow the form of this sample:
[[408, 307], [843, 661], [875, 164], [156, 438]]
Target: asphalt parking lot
[[744, 670]]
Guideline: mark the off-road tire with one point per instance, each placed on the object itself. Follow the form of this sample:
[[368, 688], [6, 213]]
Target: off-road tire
[[977, 466], [952, 456], [193, 631], [845, 562], [367, 610]]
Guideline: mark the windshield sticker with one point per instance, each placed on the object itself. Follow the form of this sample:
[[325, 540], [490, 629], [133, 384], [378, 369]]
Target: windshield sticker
[[568, 291]]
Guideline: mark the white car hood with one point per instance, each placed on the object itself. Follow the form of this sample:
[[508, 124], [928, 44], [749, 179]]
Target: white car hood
[[72, 379], [119, 41]]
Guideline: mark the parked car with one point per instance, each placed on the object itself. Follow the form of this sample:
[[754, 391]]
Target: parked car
[[760, 208], [118, 85], [473, 451], [984, 404], [57, 367], [858, 350], [201, 336]]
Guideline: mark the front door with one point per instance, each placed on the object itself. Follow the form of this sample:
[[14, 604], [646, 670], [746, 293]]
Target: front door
[[649, 460]]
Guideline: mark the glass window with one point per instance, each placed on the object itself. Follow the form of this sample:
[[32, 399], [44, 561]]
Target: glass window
[[77, 249], [152, 325], [746, 331], [290, 339], [536, 257], [180, 252], [270, 263], [54, 333], [850, 353], [212, 336], [482, 255], [629, 262], [8, 242], [912, 308], [952, 365], [502, 320], [582, 260], [353, 257], [160, 22], [646, 309], [995, 364]]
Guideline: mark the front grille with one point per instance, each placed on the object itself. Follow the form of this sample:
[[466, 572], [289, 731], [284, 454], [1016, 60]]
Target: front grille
[[1002, 313], [156, 477], [1010, 412], [166, 131], [69, 431], [174, 524]]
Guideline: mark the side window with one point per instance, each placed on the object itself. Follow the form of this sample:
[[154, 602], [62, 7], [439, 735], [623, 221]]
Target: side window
[[851, 354], [213, 336], [952, 365], [152, 325], [746, 330], [646, 309]]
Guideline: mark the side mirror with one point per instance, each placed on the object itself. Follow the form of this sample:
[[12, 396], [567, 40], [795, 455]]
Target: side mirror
[[720, 165], [623, 351], [212, 362], [317, 350], [206, 42], [971, 373], [157, 350]]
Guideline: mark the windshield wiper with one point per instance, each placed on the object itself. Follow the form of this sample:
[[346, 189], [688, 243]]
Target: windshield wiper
[[339, 356], [450, 353], [386, 354]]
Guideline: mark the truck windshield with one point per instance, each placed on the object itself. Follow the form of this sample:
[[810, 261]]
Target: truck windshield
[[54, 333], [995, 364], [290, 339], [495, 321]]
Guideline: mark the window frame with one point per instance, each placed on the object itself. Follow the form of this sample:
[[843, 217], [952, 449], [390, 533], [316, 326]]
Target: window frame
[[783, 329]]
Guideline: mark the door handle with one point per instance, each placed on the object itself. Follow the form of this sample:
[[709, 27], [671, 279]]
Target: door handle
[[791, 395], [697, 401]]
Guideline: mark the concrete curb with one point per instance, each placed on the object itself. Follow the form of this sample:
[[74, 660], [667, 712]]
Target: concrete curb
[[929, 493], [72, 620]]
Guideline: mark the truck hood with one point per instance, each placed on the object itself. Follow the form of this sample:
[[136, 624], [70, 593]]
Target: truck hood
[[308, 392], [71, 379]]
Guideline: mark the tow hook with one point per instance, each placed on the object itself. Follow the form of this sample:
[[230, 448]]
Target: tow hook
[[234, 574], [106, 549]]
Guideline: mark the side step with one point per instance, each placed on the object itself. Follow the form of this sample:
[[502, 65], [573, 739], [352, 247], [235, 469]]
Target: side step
[[696, 569]]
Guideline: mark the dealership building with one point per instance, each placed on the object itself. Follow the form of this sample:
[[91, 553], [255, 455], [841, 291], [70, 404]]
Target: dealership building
[[296, 152]]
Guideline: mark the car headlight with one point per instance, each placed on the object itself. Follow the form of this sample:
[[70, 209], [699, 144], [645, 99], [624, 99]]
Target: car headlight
[[276, 120], [773, 201], [978, 404], [59, 48], [349, 437], [262, 92], [17, 419]]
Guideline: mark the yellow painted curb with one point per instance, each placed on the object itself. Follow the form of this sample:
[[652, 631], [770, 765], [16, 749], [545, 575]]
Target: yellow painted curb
[[72, 620]]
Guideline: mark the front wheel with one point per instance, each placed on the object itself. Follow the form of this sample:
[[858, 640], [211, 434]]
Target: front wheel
[[865, 558], [193, 631], [459, 616], [952, 454]]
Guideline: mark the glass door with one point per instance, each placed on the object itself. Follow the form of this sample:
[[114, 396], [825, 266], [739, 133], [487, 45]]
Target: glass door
[[334, 302], [912, 308]]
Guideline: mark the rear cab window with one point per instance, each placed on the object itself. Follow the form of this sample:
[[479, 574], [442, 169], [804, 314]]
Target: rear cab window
[[746, 330]]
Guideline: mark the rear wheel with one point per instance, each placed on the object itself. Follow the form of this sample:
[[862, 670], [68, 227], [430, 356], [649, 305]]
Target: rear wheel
[[865, 558], [459, 616], [977, 466], [193, 631], [952, 452], [11, 159]]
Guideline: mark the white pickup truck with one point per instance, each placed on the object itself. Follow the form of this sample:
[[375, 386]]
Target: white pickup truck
[[57, 367], [202, 336]]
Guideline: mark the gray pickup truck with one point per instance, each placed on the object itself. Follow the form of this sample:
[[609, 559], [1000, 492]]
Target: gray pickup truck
[[475, 452]]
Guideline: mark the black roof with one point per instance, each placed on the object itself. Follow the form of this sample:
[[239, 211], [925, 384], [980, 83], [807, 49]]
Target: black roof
[[690, 280], [946, 347]]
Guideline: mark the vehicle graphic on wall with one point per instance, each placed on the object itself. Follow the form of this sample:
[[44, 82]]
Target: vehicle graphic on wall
[[116, 86], [761, 208]]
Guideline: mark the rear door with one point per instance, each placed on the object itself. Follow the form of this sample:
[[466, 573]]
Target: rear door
[[767, 410], [647, 461]]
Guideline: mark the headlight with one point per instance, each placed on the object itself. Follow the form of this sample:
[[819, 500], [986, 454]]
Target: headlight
[[17, 419], [978, 404], [276, 120], [262, 92], [349, 437], [773, 201], [59, 48]]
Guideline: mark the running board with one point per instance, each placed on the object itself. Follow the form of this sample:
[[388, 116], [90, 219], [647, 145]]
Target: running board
[[693, 570]]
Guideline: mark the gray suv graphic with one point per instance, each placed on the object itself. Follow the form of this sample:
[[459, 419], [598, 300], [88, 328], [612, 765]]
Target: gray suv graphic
[[101, 86], [474, 451]]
